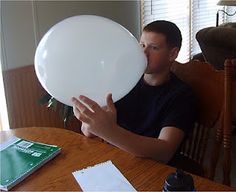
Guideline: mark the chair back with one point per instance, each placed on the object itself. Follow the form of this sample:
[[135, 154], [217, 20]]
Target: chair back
[[208, 86], [229, 115]]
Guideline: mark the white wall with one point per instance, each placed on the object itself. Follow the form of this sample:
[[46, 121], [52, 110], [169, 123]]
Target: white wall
[[17, 34], [23, 23]]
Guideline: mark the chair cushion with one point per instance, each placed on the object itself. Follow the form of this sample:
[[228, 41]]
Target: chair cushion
[[218, 44]]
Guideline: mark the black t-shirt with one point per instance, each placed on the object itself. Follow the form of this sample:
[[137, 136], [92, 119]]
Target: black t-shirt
[[147, 109]]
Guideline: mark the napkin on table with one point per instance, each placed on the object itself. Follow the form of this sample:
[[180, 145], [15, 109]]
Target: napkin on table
[[102, 177]]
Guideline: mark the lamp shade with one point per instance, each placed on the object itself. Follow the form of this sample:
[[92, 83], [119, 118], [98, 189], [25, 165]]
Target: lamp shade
[[227, 2]]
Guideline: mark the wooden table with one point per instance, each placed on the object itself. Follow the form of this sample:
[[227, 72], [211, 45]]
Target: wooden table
[[79, 152]]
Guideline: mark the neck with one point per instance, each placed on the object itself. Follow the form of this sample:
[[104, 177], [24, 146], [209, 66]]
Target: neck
[[156, 79]]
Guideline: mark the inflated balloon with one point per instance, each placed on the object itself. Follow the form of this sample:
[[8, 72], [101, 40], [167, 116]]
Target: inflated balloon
[[88, 55]]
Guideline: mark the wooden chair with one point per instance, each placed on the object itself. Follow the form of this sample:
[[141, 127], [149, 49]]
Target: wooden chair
[[208, 85], [23, 92], [229, 114], [223, 133]]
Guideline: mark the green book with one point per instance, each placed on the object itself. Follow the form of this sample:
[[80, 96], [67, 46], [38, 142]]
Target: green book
[[19, 158]]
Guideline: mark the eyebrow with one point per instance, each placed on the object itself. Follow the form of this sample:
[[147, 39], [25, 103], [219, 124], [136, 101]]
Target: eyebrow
[[156, 44]]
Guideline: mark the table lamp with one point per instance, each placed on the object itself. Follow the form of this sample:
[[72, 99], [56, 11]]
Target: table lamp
[[225, 3]]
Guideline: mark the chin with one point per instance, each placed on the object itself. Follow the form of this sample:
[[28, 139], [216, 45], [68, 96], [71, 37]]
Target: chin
[[148, 72], [151, 71], [156, 70]]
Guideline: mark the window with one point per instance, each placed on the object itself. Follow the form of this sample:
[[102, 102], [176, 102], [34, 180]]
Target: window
[[231, 10], [176, 11], [4, 123], [189, 15]]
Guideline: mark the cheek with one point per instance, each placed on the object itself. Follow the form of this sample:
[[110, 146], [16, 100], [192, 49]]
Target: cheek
[[158, 58]]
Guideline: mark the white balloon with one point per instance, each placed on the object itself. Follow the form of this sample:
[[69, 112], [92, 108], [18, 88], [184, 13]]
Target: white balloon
[[88, 55]]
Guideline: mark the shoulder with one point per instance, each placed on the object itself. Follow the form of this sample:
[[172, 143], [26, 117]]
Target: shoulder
[[180, 94], [179, 88]]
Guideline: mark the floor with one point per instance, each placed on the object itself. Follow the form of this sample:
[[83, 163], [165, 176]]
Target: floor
[[219, 176]]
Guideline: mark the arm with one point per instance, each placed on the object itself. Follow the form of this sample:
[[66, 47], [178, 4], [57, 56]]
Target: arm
[[102, 123], [161, 148]]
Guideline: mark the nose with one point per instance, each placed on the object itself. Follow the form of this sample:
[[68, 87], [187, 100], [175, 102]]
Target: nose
[[146, 52]]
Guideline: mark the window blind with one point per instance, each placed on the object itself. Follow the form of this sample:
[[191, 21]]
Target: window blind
[[203, 15], [176, 11], [189, 15]]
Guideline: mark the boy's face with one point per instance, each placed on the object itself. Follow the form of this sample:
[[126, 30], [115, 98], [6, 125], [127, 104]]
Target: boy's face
[[159, 55]]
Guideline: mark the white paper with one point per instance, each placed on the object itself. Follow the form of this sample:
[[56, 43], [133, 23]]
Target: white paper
[[102, 177]]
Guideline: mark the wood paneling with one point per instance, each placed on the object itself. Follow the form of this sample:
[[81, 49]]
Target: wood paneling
[[23, 92]]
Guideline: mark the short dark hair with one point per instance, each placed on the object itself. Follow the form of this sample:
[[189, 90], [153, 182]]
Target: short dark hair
[[168, 29]]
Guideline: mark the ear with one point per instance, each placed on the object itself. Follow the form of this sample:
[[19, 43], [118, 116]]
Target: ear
[[173, 54]]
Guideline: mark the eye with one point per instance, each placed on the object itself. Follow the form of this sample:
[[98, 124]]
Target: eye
[[153, 47], [142, 45]]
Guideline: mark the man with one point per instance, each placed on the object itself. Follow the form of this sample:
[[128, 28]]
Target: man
[[155, 117]]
